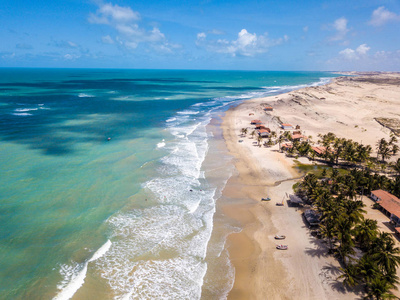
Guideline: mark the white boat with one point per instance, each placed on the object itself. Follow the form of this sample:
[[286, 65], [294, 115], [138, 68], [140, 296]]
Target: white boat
[[281, 247], [280, 237], [266, 199]]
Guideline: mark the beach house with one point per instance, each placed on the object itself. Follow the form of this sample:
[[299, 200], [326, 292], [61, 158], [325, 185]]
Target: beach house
[[255, 122], [286, 146], [389, 204], [286, 126], [260, 126], [319, 150], [264, 132], [299, 137]]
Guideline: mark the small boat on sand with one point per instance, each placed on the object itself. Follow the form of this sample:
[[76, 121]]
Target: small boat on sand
[[266, 199], [280, 237], [281, 247]]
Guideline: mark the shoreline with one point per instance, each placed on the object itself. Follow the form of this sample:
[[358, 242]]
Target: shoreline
[[305, 271]]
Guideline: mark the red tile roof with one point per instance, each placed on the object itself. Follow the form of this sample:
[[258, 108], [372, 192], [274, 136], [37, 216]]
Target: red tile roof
[[256, 122], [286, 146], [298, 136], [388, 201], [319, 150], [262, 130]]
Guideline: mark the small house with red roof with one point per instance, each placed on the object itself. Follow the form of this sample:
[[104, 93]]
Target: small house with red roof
[[286, 146], [319, 150], [286, 126], [299, 137], [264, 132], [390, 204]]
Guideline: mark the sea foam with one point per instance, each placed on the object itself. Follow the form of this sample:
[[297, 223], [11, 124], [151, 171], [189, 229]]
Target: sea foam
[[77, 274]]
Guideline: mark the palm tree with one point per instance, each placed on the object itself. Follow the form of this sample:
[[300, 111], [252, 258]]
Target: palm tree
[[304, 148], [350, 275], [396, 167], [244, 131], [338, 146], [387, 149], [364, 152], [384, 253], [259, 140], [365, 232], [253, 133], [393, 139], [344, 227], [367, 268], [288, 135], [354, 210], [270, 142], [335, 173], [280, 140], [310, 182], [379, 288], [330, 212], [395, 186]]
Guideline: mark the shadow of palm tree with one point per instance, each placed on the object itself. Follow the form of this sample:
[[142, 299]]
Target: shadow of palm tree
[[330, 274]]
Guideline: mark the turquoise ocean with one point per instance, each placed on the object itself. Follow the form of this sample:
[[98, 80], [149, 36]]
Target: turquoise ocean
[[110, 180]]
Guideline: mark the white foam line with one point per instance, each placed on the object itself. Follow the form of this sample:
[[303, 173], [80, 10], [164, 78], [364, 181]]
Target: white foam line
[[77, 281]]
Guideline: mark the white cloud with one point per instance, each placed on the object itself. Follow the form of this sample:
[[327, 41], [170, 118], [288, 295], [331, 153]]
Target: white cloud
[[125, 22], [108, 14], [246, 44], [64, 44], [362, 49], [340, 26], [381, 16], [359, 60], [71, 56], [359, 52], [216, 32], [8, 56], [305, 28], [107, 40], [201, 36], [348, 54]]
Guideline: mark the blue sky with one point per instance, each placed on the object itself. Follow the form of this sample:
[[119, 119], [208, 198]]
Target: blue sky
[[207, 34]]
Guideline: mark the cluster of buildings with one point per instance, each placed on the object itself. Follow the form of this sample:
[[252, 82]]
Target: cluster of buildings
[[296, 134], [261, 129]]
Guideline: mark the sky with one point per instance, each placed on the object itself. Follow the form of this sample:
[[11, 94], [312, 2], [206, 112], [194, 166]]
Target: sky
[[335, 35]]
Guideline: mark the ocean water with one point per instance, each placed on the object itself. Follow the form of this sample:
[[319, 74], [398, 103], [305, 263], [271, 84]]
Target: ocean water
[[110, 180]]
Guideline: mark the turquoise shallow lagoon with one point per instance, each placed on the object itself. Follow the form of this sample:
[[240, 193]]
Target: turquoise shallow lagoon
[[127, 218]]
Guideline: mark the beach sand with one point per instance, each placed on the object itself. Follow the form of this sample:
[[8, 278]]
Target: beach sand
[[347, 107]]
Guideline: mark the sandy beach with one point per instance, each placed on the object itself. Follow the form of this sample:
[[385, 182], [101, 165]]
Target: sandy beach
[[361, 108]]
